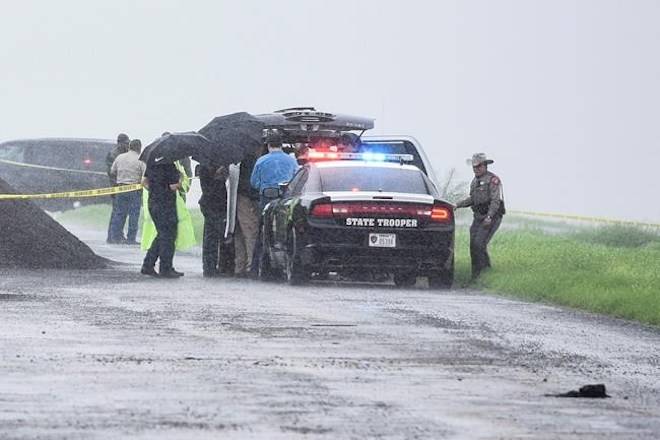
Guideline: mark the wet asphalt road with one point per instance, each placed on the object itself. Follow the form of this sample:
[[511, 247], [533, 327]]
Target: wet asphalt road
[[111, 354]]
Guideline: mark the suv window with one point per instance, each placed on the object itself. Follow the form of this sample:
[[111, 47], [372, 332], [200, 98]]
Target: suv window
[[14, 153], [373, 179], [60, 156]]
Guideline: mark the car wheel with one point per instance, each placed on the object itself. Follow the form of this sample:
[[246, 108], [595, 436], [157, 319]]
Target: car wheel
[[443, 278], [405, 279], [295, 271]]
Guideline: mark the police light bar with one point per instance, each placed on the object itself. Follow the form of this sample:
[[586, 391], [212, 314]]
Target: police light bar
[[314, 155]]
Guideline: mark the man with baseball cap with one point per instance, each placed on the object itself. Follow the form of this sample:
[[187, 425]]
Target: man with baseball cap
[[486, 200]]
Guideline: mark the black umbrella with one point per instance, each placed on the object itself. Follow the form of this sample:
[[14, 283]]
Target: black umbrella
[[175, 146], [234, 137]]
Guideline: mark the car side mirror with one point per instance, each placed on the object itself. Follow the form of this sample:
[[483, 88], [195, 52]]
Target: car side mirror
[[197, 170], [271, 193]]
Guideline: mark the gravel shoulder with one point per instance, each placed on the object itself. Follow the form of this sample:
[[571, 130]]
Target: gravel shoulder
[[108, 354]]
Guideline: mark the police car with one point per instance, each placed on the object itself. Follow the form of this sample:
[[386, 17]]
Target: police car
[[303, 128], [348, 212]]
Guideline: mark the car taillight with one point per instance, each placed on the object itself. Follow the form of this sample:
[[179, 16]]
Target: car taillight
[[322, 210], [441, 214]]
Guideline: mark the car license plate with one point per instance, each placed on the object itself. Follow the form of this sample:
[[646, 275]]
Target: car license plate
[[382, 240]]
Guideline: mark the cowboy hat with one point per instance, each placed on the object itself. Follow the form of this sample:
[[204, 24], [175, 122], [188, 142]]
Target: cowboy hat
[[478, 159]]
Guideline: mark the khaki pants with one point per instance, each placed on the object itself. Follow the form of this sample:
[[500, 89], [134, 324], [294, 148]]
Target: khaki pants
[[246, 232]]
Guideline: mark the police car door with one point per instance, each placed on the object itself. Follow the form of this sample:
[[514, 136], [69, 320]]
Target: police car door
[[284, 209]]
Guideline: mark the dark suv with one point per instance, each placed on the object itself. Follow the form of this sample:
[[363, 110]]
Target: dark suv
[[48, 165]]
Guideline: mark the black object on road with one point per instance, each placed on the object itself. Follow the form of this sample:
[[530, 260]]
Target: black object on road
[[596, 391]]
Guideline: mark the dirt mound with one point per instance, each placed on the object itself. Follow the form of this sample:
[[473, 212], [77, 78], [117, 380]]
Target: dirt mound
[[29, 238]]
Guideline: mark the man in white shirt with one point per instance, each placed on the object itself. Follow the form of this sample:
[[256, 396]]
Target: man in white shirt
[[127, 169]]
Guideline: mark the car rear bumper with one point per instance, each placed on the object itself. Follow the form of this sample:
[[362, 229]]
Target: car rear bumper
[[419, 251]]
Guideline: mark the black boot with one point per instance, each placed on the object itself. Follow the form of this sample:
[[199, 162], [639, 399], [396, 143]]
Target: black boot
[[146, 270]]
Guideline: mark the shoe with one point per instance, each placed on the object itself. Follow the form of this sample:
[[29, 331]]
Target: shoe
[[149, 271], [170, 274]]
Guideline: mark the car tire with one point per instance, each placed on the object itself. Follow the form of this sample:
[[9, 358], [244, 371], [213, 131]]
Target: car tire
[[296, 273], [443, 278], [403, 279]]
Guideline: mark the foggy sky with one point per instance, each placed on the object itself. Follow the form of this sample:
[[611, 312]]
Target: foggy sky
[[564, 95]]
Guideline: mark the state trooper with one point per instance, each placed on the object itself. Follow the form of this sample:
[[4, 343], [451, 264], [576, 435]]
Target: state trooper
[[486, 200]]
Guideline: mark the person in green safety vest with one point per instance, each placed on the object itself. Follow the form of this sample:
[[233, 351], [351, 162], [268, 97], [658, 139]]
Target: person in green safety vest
[[185, 237]]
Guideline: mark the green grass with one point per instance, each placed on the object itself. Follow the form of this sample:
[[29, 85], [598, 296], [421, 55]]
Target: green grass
[[91, 215], [98, 216], [607, 270]]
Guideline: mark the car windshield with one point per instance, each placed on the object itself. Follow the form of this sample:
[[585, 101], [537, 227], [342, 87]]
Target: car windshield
[[373, 179]]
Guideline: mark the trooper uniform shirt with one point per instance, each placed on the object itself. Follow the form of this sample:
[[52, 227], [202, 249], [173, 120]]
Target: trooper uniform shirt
[[485, 197]]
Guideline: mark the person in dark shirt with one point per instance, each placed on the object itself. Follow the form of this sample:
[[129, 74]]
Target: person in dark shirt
[[217, 255], [162, 180]]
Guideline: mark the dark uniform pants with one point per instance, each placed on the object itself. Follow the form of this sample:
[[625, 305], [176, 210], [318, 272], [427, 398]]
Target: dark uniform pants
[[163, 213], [216, 254], [480, 236]]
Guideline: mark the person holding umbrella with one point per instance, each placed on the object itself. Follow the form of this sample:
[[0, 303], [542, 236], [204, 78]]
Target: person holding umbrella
[[217, 255], [163, 182]]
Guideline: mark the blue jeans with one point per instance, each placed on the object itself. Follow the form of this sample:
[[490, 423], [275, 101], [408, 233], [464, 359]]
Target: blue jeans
[[127, 206]]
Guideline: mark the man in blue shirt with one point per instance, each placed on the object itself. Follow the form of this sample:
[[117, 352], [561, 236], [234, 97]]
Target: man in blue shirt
[[272, 169]]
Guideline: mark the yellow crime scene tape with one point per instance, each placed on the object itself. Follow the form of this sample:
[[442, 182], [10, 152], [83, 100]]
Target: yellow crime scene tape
[[78, 194], [70, 194], [44, 167], [75, 194], [583, 218]]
